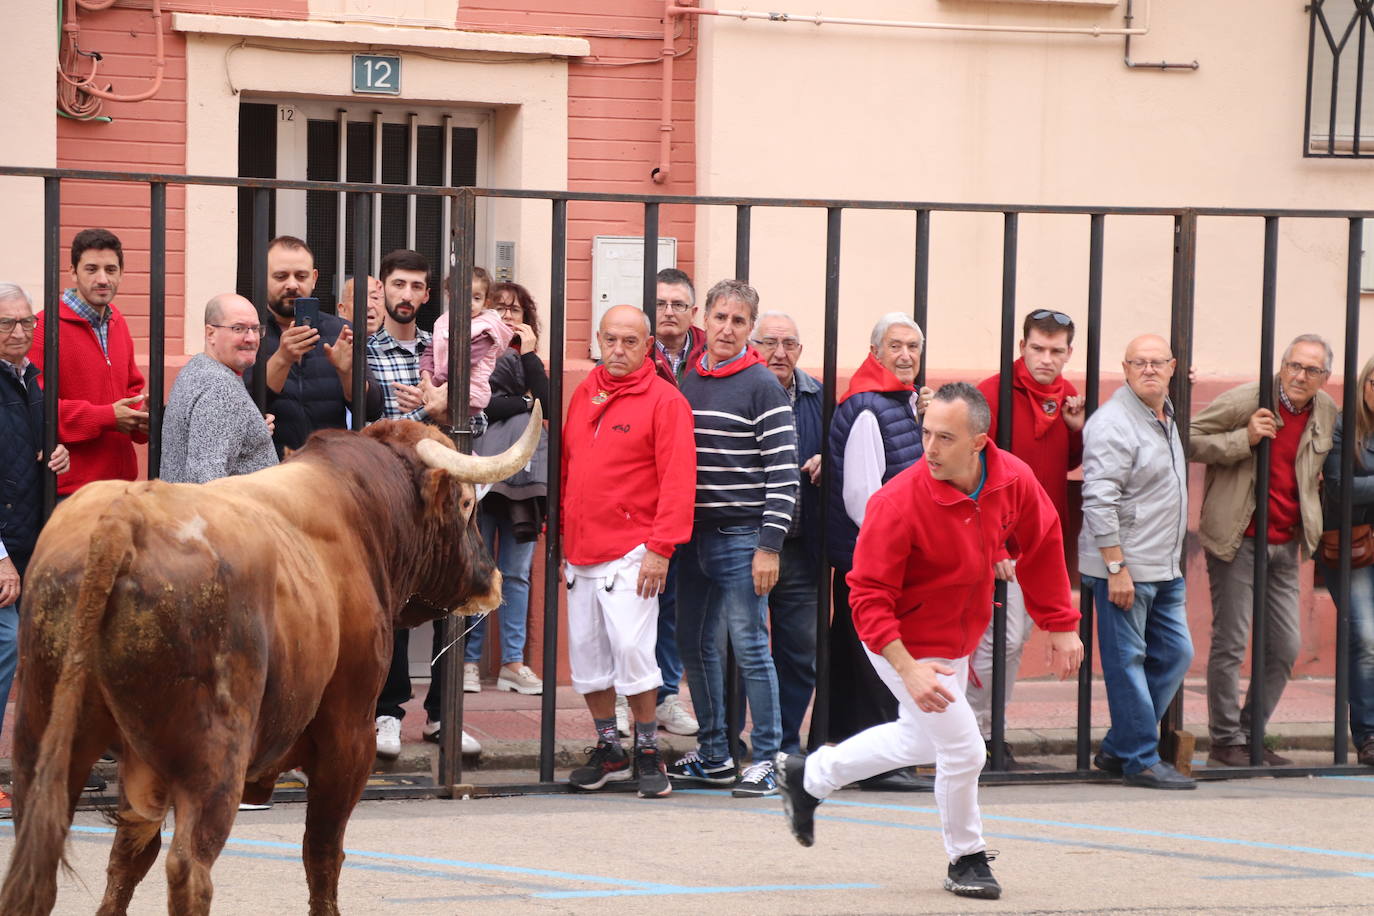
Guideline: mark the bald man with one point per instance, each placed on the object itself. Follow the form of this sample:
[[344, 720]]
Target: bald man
[[1135, 516], [211, 427]]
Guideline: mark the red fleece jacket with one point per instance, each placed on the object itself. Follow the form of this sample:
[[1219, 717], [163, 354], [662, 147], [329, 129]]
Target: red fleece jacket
[[923, 563], [88, 385], [629, 467]]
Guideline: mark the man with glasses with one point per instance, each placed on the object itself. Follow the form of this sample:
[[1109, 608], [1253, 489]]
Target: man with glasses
[[212, 428], [1224, 437], [1046, 416]]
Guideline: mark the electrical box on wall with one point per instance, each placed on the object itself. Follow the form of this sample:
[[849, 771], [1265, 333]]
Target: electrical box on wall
[[618, 274], [503, 268]]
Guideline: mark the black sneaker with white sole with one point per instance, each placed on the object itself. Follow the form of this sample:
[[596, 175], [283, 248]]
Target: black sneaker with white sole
[[757, 781], [605, 763], [651, 773], [798, 804], [971, 876]]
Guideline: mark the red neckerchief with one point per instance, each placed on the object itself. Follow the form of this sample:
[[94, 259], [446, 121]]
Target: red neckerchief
[[1047, 401]]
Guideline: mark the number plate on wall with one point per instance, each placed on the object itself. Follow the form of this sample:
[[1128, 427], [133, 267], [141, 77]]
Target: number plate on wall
[[376, 74]]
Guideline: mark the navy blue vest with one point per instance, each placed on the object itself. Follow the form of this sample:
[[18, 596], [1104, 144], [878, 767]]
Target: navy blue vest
[[901, 448]]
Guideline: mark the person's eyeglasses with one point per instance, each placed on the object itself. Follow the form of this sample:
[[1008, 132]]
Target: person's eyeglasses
[[664, 305], [241, 329], [1309, 371], [1156, 364], [7, 325], [1059, 317], [508, 310], [790, 344]]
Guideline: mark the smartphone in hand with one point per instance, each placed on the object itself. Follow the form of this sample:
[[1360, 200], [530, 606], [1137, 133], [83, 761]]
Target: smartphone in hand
[[307, 312]]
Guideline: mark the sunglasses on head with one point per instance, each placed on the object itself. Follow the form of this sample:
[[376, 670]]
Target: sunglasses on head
[[1059, 317]]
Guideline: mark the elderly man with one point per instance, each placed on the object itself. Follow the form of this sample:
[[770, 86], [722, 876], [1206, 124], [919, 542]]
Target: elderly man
[[1135, 517], [921, 597], [212, 428], [1224, 437], [344, 308], [628, 467], [792, 602], [100, 411], [746, 494], [875, 434], [309, 369], [21, 455]]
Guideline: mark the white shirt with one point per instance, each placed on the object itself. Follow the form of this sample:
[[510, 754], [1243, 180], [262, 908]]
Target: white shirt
[[865, 463]]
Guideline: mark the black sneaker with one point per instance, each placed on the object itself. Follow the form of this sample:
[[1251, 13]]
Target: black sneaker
[[605, 763], [757, 781], [1008, 759], [971, 877], [798, 804], [691, 767], [1109, 763], [651, 773]]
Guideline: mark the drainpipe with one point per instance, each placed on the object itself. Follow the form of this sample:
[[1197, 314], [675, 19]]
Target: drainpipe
[[665, 123], [1148, 65]]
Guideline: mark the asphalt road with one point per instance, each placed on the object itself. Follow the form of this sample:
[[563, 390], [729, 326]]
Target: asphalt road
[[1297, 845]]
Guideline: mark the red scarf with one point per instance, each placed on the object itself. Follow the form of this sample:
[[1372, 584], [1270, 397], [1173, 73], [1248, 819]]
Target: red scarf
[[1046, 401], [873, 376], [607, 387]]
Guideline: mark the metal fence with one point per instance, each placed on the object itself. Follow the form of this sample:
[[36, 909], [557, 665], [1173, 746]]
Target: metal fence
[[463, 209]]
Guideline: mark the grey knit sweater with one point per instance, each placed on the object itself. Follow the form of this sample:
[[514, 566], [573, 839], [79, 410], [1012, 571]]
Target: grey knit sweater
[[211, 427]]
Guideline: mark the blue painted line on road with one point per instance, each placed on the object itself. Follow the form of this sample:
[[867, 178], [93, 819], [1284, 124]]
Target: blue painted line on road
[[743, 889], [1350, 778]]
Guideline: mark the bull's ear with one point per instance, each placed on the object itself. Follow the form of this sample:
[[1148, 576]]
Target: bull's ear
[[440, 493]]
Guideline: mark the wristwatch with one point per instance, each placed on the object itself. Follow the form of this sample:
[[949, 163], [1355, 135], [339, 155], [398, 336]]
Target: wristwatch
[[1115, 566]]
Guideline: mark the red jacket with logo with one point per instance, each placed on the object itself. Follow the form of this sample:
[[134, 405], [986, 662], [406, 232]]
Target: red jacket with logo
[[923, 563], [629, 467]]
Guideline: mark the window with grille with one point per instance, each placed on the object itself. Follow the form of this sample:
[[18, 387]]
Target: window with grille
[[1340, 76]]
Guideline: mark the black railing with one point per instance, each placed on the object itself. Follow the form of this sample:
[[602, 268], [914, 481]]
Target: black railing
[[463, 207], [1336, 77]]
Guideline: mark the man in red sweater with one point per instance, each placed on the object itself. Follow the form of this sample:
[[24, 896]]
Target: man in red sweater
[[100, 411], [1047, 433], [629, 479], [921, 595]]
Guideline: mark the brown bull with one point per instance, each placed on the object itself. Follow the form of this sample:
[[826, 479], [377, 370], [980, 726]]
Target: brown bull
[[217, 635]]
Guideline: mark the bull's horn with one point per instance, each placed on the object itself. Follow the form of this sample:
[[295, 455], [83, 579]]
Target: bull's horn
[[484, 469]]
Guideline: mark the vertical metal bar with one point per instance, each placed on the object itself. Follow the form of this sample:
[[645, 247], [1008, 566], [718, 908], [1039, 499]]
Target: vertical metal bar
[[1307, 109], [743, 230], [261, 200], [376, 179], [157, 321], [558, 258], [1004, 425], [920, 311], [1349, 443], [362, 268], [412, 175], [341, 208], [650, 295], [52, 324], [1359, 86], [1092, 390], [1259, 642], [1335, 83]]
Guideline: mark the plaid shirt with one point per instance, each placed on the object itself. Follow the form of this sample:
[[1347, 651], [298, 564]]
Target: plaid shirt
[[391, 362], [72, 299]]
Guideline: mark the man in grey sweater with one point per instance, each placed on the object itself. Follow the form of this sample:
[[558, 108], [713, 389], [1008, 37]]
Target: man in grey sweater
[[1135, 515], [211, 427]]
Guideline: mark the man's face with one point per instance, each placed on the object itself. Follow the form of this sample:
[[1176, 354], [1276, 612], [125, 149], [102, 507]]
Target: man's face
[[900, 352], [405, 291], [1148, 366], [15, 342], [624, 343], [727, 329], [951, 448], [96, 276], [1046, 354], [1303, 373], [235, 350], [675, 311], [291, 275], [479, 296], [374, 304], [778, 342]]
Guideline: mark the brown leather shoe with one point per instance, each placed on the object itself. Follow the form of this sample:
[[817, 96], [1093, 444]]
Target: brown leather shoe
[[1274, 760], [1366, 755], [1229, 755]]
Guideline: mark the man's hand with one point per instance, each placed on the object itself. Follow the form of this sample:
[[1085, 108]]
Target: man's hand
[[296, 341], [1261, 426], [1066, 653], [271, 420], [812, 467], [1005, 570], [340, 352], [435, 400], [1121, 589], [61, 460], [128, 418], [653, 575], [408, 397], [923, 399], [9, 582], [1074, 414], [765, 571], [925, 688]]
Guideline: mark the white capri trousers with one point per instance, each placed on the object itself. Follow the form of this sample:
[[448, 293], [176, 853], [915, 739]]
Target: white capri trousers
[[611, 630], [950, 738]]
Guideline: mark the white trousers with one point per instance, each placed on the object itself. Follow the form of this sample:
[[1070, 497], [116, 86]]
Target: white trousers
[[950, 738], [980, 664], [611, 630]]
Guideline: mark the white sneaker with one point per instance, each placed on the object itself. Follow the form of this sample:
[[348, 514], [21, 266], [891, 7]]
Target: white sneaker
[[521, 680], [471, 745], [622, 716], [472, 678], [431, 733], [388, 737], [674, 717]]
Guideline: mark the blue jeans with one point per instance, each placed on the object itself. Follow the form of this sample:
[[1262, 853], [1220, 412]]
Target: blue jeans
[[513, 559], [792, 613], [9, 653], [1361, 617], [1145, 654], [716, 597], [665, 650]]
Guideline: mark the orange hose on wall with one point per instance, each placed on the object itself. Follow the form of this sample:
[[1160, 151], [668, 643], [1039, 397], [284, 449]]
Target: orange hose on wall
[[78, 95]]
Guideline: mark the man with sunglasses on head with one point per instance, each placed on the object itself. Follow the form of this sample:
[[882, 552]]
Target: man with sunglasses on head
[[1224, 437], [212, 428], [1046, 415]]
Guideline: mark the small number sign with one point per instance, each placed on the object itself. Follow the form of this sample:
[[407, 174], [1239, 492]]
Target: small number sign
[[376, 74]]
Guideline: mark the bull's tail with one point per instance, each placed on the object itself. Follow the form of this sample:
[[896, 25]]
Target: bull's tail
[[43, 816]]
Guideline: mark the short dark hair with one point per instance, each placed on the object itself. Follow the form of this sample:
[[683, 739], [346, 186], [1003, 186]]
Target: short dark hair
[[979, 414], [737, 290], [523, 298], [403, 259], [291, 243], [1048, 322], [674, 277], [96, 240]]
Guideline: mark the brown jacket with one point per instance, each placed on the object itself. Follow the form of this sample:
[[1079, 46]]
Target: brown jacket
[[1218, 439]]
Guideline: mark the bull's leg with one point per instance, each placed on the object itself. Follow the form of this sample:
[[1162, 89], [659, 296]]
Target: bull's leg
[[338, 770], [135, 849], [204, 817]]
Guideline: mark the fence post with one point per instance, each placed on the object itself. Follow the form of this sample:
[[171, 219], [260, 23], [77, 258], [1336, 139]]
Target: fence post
[[743, 229], [1351, 395], [920, 308], [1004, 427], [650, 297], [157, 322], [52, 324], [552, 542], [261, 199], [1092, 393]]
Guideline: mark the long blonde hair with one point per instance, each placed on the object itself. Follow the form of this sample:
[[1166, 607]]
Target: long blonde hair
[[1364, 417]]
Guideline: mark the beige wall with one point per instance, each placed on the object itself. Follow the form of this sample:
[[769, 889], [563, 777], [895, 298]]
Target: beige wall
[[792, 109]]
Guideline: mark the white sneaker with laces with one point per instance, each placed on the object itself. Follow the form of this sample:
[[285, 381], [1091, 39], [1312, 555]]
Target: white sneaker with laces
[[471, 745], [472, 678], [521, 680], [388, 737], [622, 716], [431, 732], [674, 717]]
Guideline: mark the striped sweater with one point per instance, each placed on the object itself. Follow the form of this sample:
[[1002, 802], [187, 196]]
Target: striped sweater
[[746, 447]]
